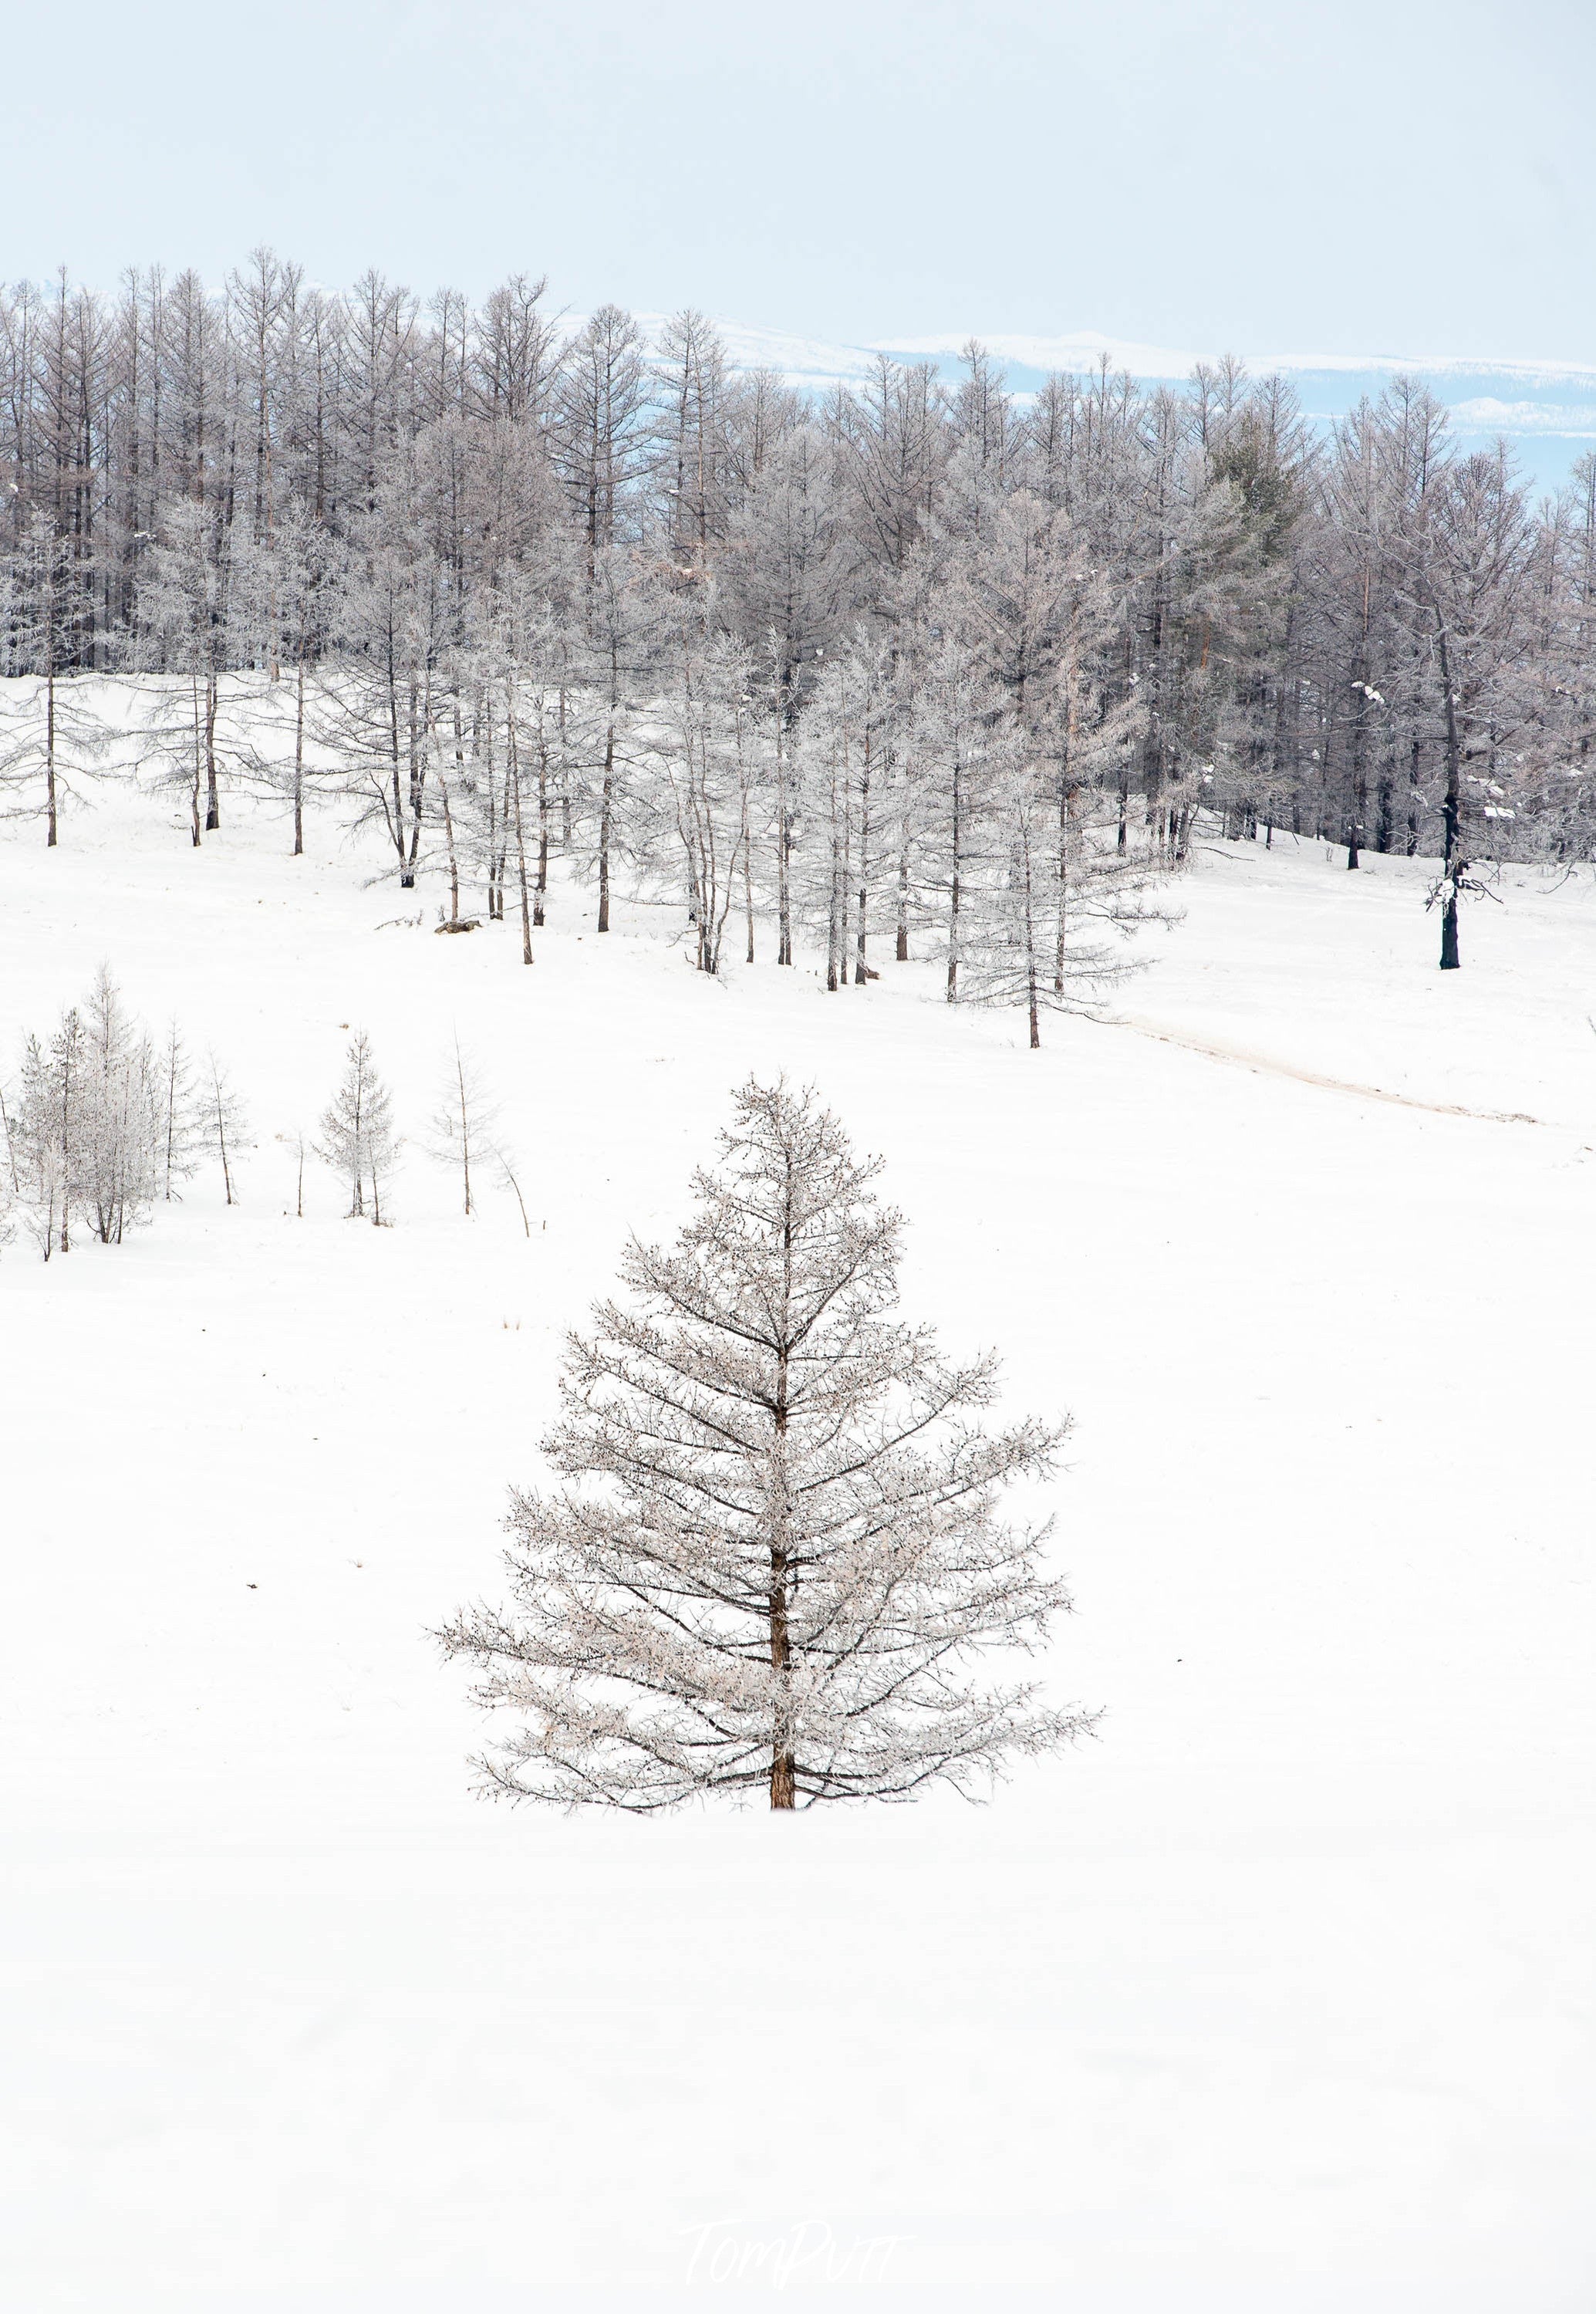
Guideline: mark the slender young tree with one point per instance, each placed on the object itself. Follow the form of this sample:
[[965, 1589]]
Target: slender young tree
[[463, 1123], [294, 1142], [117, 1135], [358, 1137], [182, 1121], [187, 601], [224, 1121], [38, 1150], [705, 743]]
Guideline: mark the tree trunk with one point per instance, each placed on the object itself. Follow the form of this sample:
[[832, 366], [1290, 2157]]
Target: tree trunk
[[784, 1764], [1452, 866], [493, 897], [542, 875], [1066, 798], [198, 760], [50, 744], [1032, 991], [1359, 767], [860, 961], [605, 810], [504, 829], [513, 773], [418, 774], [443, 790], [407, 876], [299, 762], [783, 855], [213, 815], [955, 895], [748, 877]]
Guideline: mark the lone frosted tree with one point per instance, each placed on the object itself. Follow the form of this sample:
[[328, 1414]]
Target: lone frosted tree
[[779, 1564], [358, 1137]]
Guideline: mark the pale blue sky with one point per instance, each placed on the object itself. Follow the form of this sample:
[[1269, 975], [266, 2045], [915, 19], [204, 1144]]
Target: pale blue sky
[[1416, 176]]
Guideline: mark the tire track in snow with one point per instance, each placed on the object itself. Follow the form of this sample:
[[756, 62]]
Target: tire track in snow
[[1261, 1064]]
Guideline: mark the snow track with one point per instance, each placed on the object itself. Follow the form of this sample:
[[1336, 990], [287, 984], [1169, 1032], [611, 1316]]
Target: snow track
[[1266, 1065]]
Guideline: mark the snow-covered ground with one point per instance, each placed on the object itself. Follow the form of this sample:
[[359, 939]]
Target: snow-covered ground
[[1274, 1997]]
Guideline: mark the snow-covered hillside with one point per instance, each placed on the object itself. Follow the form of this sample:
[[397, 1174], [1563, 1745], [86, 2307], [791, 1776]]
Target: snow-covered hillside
[[1272, 1997]]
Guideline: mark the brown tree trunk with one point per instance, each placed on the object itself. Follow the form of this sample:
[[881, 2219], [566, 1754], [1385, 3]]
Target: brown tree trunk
[[1452, 866], [49, 745], [861, 961], [198, 758], [213, 815], [443, 790], [542, 875], [783, 853], [299, 762], [513, 773], [605, 810], [783, 1762], [954, 895]]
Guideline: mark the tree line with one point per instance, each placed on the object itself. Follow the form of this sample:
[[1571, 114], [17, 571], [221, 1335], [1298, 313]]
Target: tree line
[[903, 663]]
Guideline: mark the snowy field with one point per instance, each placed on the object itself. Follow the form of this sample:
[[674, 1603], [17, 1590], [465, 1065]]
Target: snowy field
[[1276, 1996]]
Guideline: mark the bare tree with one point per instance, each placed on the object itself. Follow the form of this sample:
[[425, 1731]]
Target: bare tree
[[777, 1565], [295, 1141], [39, 1150], [183, 1124], [462, 1124], [707, 740], [358, 1137], [224, 1121]]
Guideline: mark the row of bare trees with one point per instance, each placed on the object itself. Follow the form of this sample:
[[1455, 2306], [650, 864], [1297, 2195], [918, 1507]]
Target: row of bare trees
[[102, 1123], [911, 655]]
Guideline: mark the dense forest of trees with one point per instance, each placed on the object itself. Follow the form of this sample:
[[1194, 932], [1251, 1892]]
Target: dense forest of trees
[[911, 663]]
